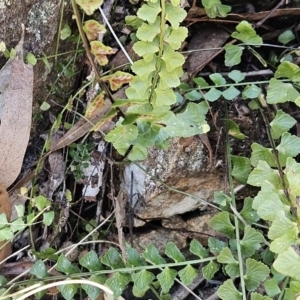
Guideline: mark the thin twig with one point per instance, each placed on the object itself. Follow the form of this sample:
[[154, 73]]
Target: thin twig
[[258, 24]]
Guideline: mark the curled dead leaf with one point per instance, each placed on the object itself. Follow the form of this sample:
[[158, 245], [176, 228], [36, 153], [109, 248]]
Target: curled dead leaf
[[101, 51], [93, 30], [117, 79]]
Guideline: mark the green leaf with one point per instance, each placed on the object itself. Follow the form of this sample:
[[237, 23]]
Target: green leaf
[[175, 37], [251, 91], [272, 288], [118, 282], [293, 291], [134, 22], [169, 79], [228, 291], [246, 34], [214, 8], [188, 274], [17, 225], [241, 168], [226, 257], [231, 93], [259, 152], [164, 97], [172, 59], [38, 269], [256, 272], [233, 54], [213, 94], [112, 259], [263, 173], [138, 89], [65, 32], [138, 152], [233, 270], [91, 261], [48, 217], [141, 47], [288, 70], [248, 213], [236, 75], [289, 145], [65, 266], [251, 241], [166, 279], [45, 106], [217, 79], [193, 95], [256, 296], [89, 6], [31, 59], [144, 68], [281, 92], [281, 224], [281, 123], [222, 199], [92, 291], [268, 202], [234, 130], [201, 82], [188, 123], [286, 37], [148, 32], [222, 224], [216, 245], [122, 136], [292, 168], [41, 202], [174, 253], [133, 258], [148, 12], [20, 210], [175, 15], [210, 270], [151, 253], [68, 290], [142, 281], [3, 220], [288, 263], [197, 249], [282, 243]]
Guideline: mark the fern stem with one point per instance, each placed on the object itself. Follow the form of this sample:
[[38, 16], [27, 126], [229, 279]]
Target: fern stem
[[161, 48], [236, 221]]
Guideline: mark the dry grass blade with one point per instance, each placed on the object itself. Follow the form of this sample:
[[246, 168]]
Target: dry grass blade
[[81, 128]]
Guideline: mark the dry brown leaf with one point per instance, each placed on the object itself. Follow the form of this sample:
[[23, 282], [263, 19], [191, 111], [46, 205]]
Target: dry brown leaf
[[5, 207], [81, 128], [16, 86], [207, 36]]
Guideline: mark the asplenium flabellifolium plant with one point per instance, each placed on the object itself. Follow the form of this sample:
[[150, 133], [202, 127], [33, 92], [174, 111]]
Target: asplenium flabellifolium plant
[[148, 118]]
